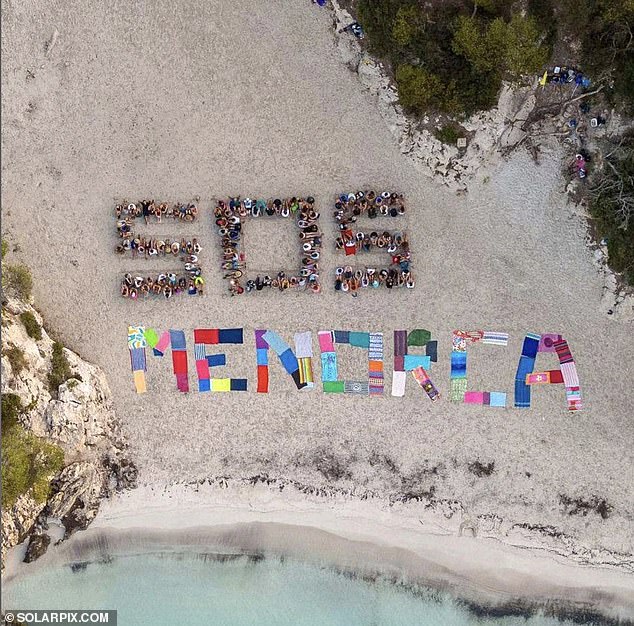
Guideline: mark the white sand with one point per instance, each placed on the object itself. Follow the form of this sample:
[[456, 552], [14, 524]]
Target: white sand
[[213, 98]]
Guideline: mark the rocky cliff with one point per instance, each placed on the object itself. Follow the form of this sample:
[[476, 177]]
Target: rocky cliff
[[77, 416]]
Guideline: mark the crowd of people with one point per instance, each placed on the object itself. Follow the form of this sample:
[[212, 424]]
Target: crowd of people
[[348, 208], [230, 216], [150, 208], [167, 284]]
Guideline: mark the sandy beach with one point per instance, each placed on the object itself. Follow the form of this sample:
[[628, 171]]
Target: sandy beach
[[216, 99]]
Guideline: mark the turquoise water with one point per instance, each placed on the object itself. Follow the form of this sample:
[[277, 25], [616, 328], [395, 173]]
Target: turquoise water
[[151, 590]]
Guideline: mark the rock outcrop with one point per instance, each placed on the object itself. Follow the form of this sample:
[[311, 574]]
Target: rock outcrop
[[489, 132], [79, 418]]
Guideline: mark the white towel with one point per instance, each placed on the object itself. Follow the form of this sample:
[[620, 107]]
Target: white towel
[[398, 383], [303, 345]]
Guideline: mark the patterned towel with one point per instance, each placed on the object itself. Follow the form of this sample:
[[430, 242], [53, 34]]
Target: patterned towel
[[496, 339], [457, 389], [422, 378], [136, 337], [361, 388], [547, 342], [329, 367]]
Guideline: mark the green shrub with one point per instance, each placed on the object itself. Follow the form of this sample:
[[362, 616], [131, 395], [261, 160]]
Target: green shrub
[[11, 409], [33, 329], [407, 24], [5, 248], [16, 358], [60, 368], [18, 279], [417, 88], [500, 46], [449, 133], [27, 462]]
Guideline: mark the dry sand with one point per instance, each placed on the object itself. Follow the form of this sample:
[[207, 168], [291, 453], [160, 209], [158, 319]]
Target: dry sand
[[213, 98]]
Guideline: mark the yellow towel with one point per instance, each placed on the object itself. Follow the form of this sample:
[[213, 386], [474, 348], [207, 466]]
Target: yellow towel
[[543, 79], [221, 384], [139, 381]]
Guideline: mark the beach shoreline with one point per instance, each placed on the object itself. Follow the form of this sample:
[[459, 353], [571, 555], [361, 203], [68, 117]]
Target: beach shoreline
[[487, 575]]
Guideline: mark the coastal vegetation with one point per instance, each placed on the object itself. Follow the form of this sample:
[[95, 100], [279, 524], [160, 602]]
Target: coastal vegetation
[[28, 462], [612, 206], [60, 368], [31, 325]]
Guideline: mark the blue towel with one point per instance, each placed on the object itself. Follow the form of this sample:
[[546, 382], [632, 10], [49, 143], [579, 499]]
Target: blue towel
[[431, 350], [216, 360], [458, 364], [289, 361], [360, 340], [157, 352], [177, 339], [497, 398], [412, 361], [262, 356], [238, 384], [204, 384], [342, 336], [137, 359], [522, 390], [329, 366], [230, 335], [276, 343], [531, 344]]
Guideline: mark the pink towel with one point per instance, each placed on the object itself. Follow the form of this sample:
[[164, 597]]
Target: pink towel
[[325, 341], [569, 372], [202, 369], [474, 397], [163, 342]]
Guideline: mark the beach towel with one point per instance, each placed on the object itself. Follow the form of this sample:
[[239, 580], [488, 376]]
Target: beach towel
[[422, 378], [303, 345], [262, 356], [431, 350], [458, 364], [275, 342], [151, 337], [329, 366], [461, 338], [375, 347], [238, 384], [497, 398], [547, 342], [474, 397], [200, 352], [375, 366], [208, 336], [137, 360], [289, 361], [325, 341], [179, 361], [342, 336], [495, 339], [542, 378], [457, 389], [230, 335], [163, 344], [400, 343], [418, 337], [399, 363], [398, 383], [333, 386], [263, 379], [204, 384], [375, 384], [356, 387], [524, 367], [350, 248], [220, 384], [216, 360], [412, 361], [306, 372], [360, 340], [182, 383], [139, 381], [177, 339], [260, 343], [202, 369], [531, 344], [136, 337], [563, 351]]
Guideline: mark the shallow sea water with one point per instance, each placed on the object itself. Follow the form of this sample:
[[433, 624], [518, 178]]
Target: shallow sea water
[[156, 590]]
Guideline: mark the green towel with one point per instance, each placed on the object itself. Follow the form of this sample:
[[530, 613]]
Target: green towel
[[360, 340], [333, 386], [151, 337], [457, 389], [418, 337]]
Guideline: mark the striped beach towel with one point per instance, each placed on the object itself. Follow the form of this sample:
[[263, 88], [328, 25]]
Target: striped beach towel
[[495, 339]]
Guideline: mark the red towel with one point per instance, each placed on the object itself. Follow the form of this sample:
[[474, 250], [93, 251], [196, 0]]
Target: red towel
[[350, 248], [263, 378], [179, 361], [207, 336]]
